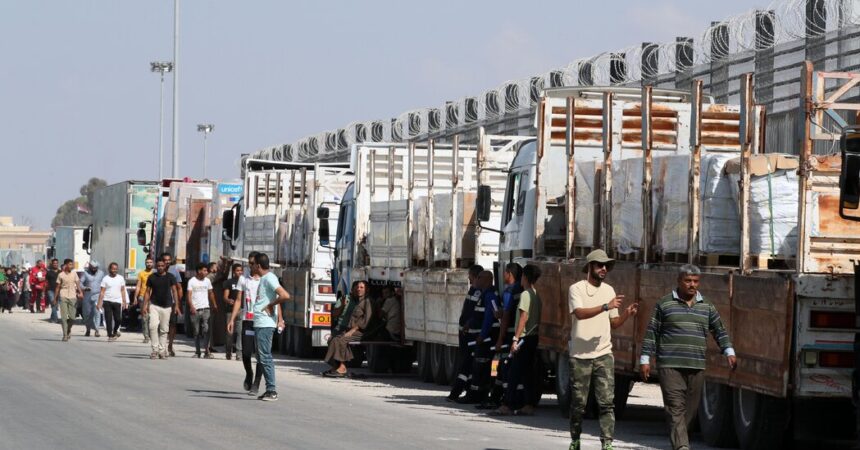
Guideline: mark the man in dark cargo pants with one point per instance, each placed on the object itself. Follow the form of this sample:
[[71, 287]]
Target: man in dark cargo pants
[[678, 333]]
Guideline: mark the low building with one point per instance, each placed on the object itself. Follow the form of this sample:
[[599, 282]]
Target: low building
[[20, 244]]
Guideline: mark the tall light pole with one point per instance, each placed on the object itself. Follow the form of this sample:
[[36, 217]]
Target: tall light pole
[[205, 128], [161, 68], [175, 89]]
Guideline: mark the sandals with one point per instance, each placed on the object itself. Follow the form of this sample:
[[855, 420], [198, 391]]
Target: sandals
[[331, 373]]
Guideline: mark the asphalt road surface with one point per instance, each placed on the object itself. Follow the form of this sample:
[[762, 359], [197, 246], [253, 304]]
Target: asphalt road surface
[[89, 393]]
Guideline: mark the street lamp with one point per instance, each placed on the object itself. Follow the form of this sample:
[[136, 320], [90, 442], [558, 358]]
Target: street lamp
[[161, 67], [205, 128]]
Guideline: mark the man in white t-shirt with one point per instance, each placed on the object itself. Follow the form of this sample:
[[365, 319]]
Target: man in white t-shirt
[[594, 312], [113, 299], [201, 302], [241, 321]]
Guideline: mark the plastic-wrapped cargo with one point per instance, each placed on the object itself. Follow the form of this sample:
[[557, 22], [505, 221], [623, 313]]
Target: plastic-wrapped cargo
[[669, 199], [462, 205], [587, 201], [627, 205], [773, 203], [720, 231]]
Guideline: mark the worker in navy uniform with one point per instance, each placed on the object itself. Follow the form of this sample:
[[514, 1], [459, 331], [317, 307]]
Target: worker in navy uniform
[[468, 330], [483, 344]]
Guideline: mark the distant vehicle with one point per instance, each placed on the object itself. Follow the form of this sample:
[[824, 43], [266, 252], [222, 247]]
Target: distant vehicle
[[68, 243]]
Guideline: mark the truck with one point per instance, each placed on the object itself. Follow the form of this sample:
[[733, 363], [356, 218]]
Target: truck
[[408, 220], [118, 211], [605, 173], [68, 243], [278, 215], [182, 219]]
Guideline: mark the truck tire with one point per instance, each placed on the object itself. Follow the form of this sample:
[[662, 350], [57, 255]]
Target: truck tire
[[288, 341], [403, 359], [761, 421], [716, 416], [562, 383], [437, 362], [302, 345], [623, 386], [378, 360], [452, 363], [425, 372]]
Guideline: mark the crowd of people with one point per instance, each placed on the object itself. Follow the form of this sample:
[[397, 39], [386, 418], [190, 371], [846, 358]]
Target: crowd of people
[[498, 335]]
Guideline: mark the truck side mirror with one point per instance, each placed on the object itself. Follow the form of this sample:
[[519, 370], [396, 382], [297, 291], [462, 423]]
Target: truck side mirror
[[849, 178], [483, 203], [322, 213], [227, 225], [323, 231], [88, 233], [141, 237]]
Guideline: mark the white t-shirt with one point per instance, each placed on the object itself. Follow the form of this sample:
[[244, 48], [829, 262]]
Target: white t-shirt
[[248, 286], [590, 338], [199, 290], [113, 287]]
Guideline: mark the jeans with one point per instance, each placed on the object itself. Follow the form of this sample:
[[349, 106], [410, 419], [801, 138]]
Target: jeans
[[601, 372], [234, 340], [54, 306], [200, 324], [159, 324], [682, 389], [92, 315], [264, 354], [113, 317]]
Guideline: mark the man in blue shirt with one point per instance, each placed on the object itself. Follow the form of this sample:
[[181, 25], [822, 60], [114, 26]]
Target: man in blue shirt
[[91, 283], [510, 301], [270, 294]]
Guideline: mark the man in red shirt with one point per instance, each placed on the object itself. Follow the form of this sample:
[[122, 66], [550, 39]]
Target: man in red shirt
[[38, 281]]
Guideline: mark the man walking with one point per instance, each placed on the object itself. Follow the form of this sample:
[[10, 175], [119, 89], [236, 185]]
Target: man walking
[[51, 285], [677, 334], [266, 308], [112, 300], [26, 291], [68, 291], [201, 303], [158, 304], [241, 322], [91, 282], [139, 295], [178, 292], [594, 312]]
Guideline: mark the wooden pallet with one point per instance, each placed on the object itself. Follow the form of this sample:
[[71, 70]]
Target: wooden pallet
[[718, 259]]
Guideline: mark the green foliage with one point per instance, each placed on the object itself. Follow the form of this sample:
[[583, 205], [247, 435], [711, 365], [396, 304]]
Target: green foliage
[[68, 214]]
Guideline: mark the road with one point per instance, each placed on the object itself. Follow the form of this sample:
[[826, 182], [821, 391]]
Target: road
[[89, 393]]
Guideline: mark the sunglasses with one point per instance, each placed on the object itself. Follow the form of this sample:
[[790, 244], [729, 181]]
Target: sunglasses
[[600, 265]]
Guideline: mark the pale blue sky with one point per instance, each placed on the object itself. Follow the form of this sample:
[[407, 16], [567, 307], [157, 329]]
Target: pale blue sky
[[77, 98]]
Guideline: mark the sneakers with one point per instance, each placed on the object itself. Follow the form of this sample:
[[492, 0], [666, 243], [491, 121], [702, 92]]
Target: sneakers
[[607, 446], [98, 334], [87, 334], [269, 396], [254, 390], [197, 354], [575, 445], [154, 355], [170, 352], [146, 340], [208, 356], [162, 355], [247, 384], [117, 334]]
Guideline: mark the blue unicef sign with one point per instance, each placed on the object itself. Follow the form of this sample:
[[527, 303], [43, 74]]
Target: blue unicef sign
[[230, 189]]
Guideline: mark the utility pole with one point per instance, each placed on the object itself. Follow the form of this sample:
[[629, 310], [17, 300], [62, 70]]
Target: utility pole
[[205, 128], [175, 172], [161, 68]]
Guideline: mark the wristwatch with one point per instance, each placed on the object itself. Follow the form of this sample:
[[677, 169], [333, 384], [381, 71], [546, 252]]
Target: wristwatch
[[606, 306]]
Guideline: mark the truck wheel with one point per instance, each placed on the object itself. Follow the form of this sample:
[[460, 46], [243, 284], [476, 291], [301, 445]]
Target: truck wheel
[[562, 383], [715, 416], [452, 363], [403, 359], [377, 359], [623, 386], [437, 362], [425, 372], [288, 341], [302, 343], [760, 420]]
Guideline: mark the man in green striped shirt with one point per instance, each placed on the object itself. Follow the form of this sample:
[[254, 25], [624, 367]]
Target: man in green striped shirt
[[678, 334]]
